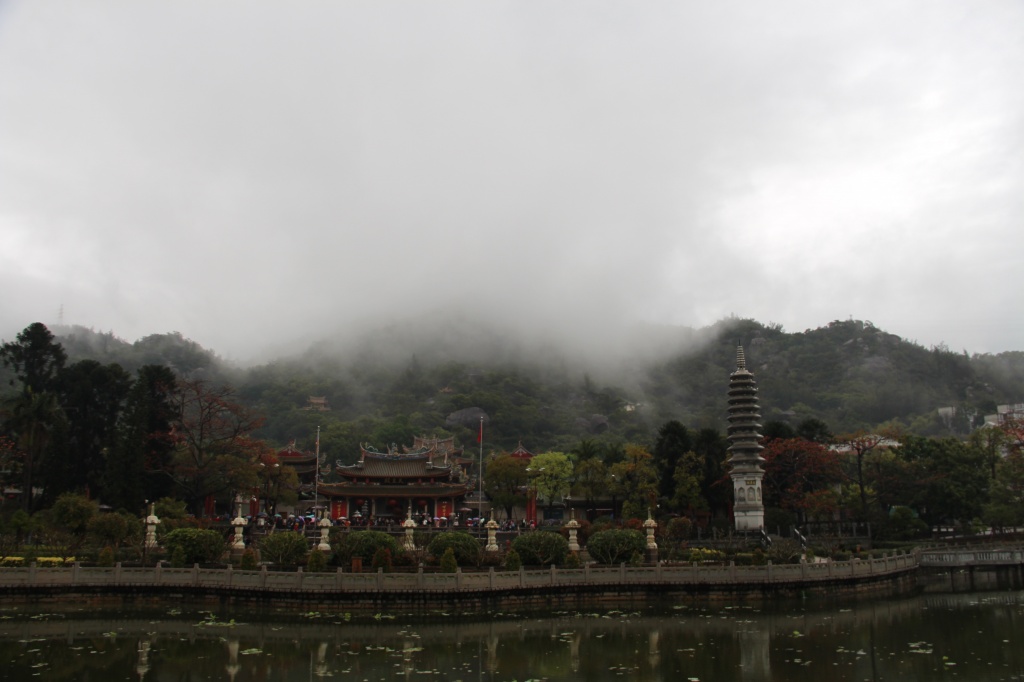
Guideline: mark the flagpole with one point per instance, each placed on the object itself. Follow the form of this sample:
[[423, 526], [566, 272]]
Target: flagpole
[[481, 498], [316, 477]]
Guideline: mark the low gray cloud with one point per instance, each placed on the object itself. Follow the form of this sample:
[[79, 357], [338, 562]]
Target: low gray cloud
[[258, 175]]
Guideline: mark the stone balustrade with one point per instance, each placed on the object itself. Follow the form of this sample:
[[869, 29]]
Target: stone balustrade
[[312, 584]]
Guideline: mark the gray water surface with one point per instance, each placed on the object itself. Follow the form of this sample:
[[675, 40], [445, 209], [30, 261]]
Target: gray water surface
[[963, 636]]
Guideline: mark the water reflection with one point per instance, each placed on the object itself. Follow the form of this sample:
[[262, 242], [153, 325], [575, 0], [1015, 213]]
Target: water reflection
[[974, 637]]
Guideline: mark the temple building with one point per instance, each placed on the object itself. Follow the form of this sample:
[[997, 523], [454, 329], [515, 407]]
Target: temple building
[[430, 478], [745, 461]]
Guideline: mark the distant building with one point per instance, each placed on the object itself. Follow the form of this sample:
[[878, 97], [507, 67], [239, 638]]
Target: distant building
[[318, 403], [430, 479]]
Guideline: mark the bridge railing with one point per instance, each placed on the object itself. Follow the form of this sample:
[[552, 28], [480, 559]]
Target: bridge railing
[[231, 579], [980, 557]]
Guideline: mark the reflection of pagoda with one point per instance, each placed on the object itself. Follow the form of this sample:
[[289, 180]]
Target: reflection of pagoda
[[429, 477]]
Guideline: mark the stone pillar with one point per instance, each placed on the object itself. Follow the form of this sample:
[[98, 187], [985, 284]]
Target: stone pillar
[[652, 547], [151, 523], [410, 526], [492, 536], [239, 525], [573, 526], [325, 529]]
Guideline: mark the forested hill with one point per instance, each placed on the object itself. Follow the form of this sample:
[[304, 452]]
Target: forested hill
[[849, 374]]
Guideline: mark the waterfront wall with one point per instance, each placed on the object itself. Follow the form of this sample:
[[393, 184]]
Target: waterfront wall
[[548, 586]]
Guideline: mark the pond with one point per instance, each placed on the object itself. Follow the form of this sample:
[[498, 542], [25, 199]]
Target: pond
[[966, 636]]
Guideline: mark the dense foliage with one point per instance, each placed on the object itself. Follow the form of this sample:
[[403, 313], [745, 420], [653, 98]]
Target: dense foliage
[[187, 546], [286, 548], [464, 547], [363, 544], [541, 548], [614, 546]]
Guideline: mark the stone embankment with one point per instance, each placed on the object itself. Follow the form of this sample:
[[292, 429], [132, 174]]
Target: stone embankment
[[550, 586]]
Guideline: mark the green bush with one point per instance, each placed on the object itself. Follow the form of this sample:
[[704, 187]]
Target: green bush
[[463, 545], [615, 546], [317, 562], [448, 562], [106, 556], [188, 546], [364, 544], [573, 560], [248, 560], [512, 561], [541, 548], [288, 548], [112, 529]]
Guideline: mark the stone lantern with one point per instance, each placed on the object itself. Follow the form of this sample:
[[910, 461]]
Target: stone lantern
[[652, 547], [492, 536], [573, 526], [151, 523], [238, 523]]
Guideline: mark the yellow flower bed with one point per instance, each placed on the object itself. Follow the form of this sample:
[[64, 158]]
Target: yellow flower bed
[[46, 561]]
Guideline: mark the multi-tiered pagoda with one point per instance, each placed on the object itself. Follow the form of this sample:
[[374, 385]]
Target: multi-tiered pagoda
[[745, 460]]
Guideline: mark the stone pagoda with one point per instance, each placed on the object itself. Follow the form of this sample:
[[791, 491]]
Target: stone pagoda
[[746, 465]]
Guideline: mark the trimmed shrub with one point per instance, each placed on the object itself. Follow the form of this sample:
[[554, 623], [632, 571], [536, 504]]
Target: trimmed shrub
[[573, 560], [616, 546], [317, 562], [541, 548], [188, 546], [248, 562], [106, 557], [288, 548], [448, 562], [464, 546], [113, 529], [512, 561], [364, 544]]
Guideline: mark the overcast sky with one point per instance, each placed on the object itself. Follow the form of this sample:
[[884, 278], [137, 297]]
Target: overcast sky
[[253, 173]]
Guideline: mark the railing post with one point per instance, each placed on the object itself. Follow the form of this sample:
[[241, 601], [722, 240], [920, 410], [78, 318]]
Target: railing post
[[74, 573], [298, 577], [263, 576], [117, 573], [339, 579], [419, 576], [622, 572], [32, 573], [490, 577], [522, 576], [159, 572], [195, 575], [770, 570], [231, 574], [380, 578], [458, 577]]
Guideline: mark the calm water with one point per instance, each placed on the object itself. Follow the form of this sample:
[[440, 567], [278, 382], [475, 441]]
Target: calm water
[[970, 637]]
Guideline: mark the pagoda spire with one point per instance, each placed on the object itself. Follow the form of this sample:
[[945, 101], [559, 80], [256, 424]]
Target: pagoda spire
[[746, 466]]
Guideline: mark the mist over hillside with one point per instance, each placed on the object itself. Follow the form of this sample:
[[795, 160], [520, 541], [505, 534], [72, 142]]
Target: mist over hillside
[[389, 383]]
